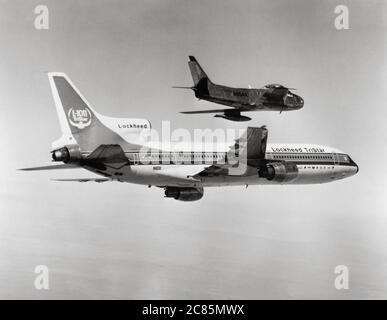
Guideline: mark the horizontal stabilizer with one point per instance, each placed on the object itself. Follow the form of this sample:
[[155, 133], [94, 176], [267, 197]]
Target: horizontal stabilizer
[[51, 167], [99, 180]]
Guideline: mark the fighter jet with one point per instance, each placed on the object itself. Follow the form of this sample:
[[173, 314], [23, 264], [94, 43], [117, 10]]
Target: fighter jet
[[272, 97]]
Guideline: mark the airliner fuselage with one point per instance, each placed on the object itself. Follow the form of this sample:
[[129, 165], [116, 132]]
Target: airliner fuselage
[[313, 164]]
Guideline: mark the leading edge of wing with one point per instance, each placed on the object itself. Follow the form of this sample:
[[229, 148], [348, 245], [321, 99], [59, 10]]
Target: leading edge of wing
[[207, 111], [51, 167], [83, 180]]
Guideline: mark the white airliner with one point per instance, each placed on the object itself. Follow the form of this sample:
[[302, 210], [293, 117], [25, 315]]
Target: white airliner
[[107, 146]]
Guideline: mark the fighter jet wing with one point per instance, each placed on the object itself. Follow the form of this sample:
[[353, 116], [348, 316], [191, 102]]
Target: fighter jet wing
[[206, 111]]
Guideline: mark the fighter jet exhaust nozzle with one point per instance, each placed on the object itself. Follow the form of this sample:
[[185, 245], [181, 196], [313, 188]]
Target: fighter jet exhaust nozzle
[[67, 154]]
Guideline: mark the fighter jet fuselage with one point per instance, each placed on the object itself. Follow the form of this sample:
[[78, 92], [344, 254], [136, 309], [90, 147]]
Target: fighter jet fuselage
[[250, 99]]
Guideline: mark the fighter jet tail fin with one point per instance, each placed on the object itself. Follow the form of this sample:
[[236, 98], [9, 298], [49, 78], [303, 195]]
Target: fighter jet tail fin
[[197, 71]]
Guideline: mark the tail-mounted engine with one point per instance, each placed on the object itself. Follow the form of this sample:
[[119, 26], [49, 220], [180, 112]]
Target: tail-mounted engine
[[68, 154], [184, 194], [279, 171]]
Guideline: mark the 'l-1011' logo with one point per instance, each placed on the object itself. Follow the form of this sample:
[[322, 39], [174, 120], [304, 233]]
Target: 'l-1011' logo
[[80, 118]]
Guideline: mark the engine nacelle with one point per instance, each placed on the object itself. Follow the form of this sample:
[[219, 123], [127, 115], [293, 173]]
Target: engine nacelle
[[184, 194], [279, 171], [70, 153]]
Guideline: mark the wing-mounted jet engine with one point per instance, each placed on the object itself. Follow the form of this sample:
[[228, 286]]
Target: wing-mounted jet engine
[[279, 171], [184, 194]]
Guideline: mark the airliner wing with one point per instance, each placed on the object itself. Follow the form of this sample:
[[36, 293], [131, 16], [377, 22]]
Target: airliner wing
[[214, 170], [84, 180], [51, 167], [111, 155]]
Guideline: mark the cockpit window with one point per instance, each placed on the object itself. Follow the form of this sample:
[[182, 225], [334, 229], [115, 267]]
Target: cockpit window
[[274, 86]]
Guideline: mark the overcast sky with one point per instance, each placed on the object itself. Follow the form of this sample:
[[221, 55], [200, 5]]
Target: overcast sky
[[117, 240]]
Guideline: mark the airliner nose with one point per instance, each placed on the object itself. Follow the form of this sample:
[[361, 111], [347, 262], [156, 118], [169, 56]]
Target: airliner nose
[[354, 164]]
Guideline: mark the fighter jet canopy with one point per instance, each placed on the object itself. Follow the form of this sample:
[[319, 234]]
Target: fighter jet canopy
[[274, 86]]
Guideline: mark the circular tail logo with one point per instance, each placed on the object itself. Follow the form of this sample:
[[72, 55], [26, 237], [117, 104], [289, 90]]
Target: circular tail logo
[[79, 118]]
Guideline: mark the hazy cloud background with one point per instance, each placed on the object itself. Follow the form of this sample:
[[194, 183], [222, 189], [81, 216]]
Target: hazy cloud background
[[117, 240]]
